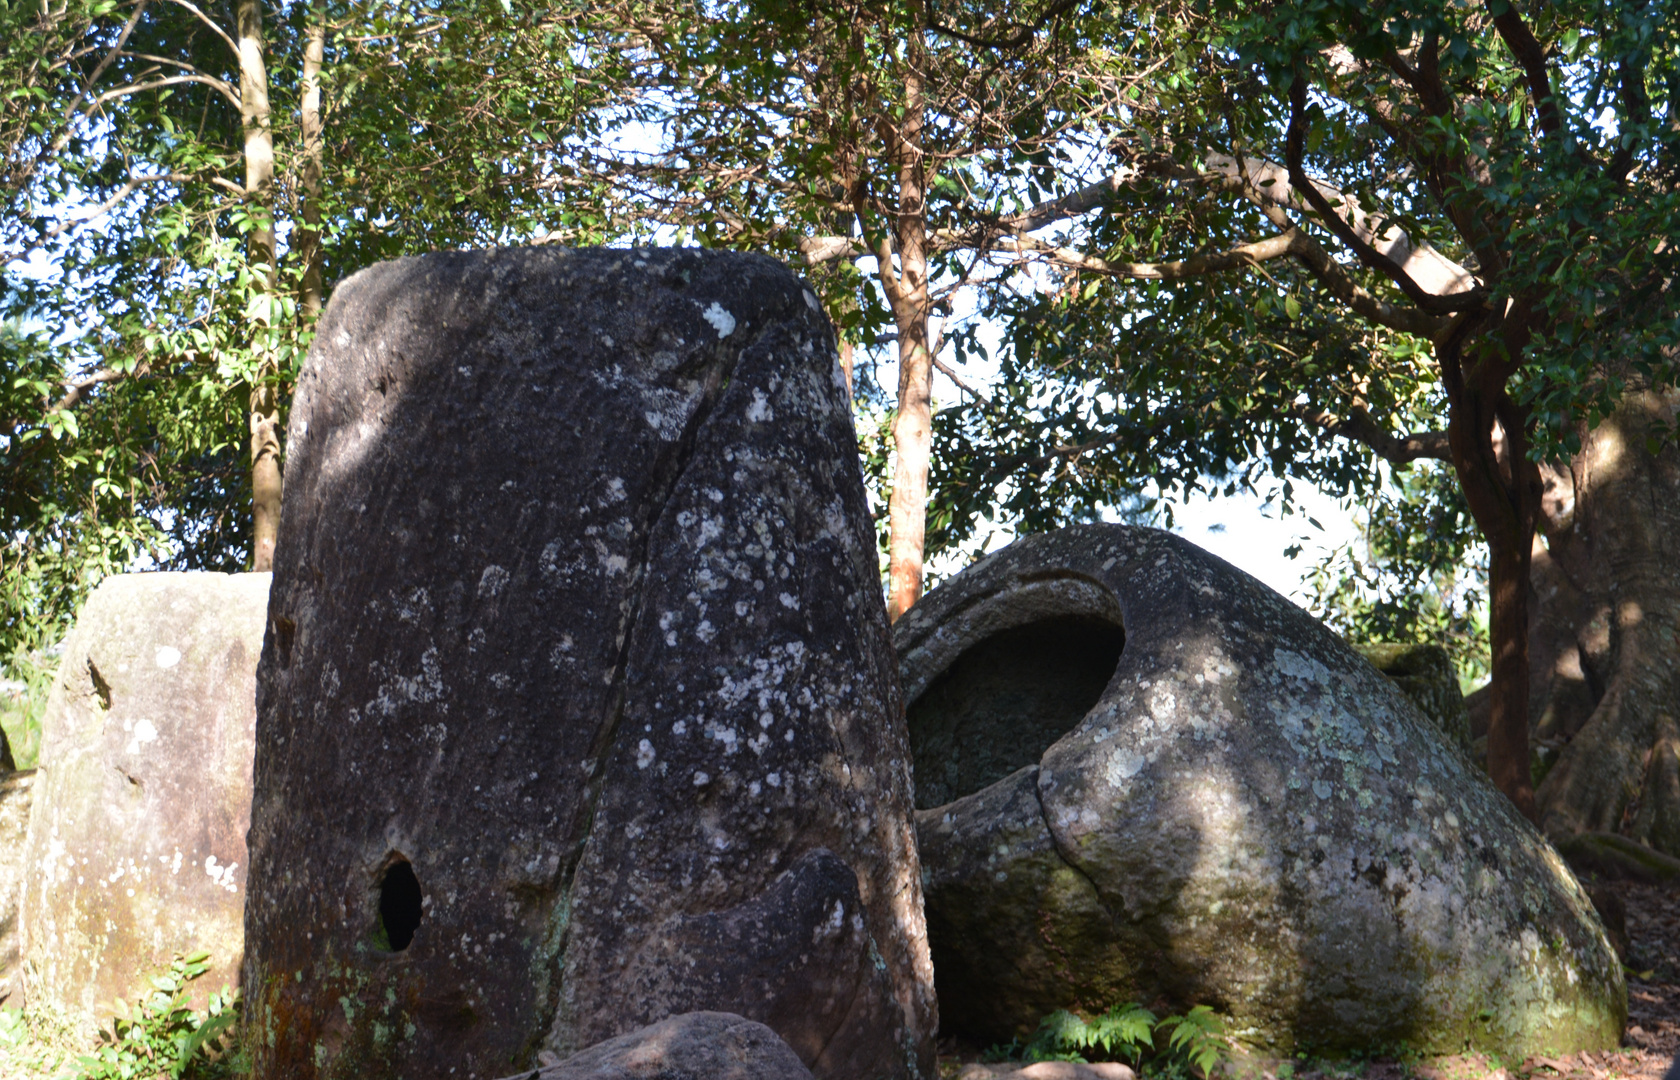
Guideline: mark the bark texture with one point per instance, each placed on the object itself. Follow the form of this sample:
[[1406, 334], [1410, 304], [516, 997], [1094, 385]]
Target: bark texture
[[263, 405], [1605, 667], [577, 638]]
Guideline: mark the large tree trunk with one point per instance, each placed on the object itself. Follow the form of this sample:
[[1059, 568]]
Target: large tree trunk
[[908, 295], [1606, 671], [264, 404]]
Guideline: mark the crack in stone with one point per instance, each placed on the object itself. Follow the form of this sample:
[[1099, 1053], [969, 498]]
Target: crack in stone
[[671, 471]]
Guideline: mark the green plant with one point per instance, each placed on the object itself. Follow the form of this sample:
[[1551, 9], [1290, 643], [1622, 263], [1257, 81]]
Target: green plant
[[1195, 1040], [162, 1035], [25, 679]]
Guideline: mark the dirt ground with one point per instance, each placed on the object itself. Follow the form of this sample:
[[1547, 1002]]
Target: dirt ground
[[1649, 1045]]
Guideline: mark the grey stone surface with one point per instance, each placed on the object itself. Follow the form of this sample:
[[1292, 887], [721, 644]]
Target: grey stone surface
[[1247, 816], [691, 1046], [1425, 673], [576, 617], [136, 848], [16, 789]]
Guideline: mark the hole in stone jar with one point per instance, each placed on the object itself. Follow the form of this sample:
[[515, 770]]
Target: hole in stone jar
[[399, 907], [1006, 700]]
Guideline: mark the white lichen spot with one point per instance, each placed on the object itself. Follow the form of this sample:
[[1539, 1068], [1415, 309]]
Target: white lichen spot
[[491, 582], [644, 754], [680, 728], [775, 778], [789, 601], [221, 875], [143, 732], [168, 656], [1123, 764], [728, 736], [701, 779], [759, 412], [1297, 666], [721, 320]]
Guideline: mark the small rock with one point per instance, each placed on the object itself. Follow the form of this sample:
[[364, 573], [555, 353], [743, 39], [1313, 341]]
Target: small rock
[[1049, 1070], [692, 1046]]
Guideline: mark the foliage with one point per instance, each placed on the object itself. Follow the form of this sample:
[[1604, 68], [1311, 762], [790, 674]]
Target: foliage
[[1129, 1032], [137, 317], [161, 1035], [1415, 575], [26, 678]]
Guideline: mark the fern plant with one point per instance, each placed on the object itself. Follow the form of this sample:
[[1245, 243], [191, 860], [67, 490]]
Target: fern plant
[[161, 1035], [1131, 1033]]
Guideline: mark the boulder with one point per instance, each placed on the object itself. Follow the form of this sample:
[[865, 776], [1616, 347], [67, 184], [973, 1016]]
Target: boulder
[[578, 706], [692, 1046], [15, 791], [1243, 814], [1425, 673], [136, 848]]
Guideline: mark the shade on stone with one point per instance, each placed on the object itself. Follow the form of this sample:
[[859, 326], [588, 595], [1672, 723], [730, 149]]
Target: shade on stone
[[578, 707], [1240, 812]]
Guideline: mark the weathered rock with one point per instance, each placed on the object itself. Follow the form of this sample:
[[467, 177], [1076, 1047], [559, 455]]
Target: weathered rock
[[136, 848], [578, 707], [1425, 673], [15, 791], [692, 1046], [1048, 1070], [1247, 816]]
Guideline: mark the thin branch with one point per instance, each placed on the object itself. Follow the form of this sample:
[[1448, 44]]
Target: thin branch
[[964, 387], [225, 89], [1016, 40], [1359, 426], [207, 21], [1241, 256], [135, 183]]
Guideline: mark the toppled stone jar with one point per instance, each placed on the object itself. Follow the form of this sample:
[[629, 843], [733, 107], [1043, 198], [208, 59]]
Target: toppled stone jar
[[136, 849], [578, 707], [1144, 776]]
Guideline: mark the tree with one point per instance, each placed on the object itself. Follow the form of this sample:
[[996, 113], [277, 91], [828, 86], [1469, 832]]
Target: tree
[[919, 136], [185, 189], [1431, 208]]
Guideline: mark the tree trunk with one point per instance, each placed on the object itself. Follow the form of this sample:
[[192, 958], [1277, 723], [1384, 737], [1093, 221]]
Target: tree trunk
[[264, 404], [309, 235], [1502, 487], [913, 424], [1607, 611]]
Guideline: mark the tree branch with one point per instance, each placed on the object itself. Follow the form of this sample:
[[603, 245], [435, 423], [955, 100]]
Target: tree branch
[[1015, 41], [1295, 148], [1359, 426], [1531, 57]]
